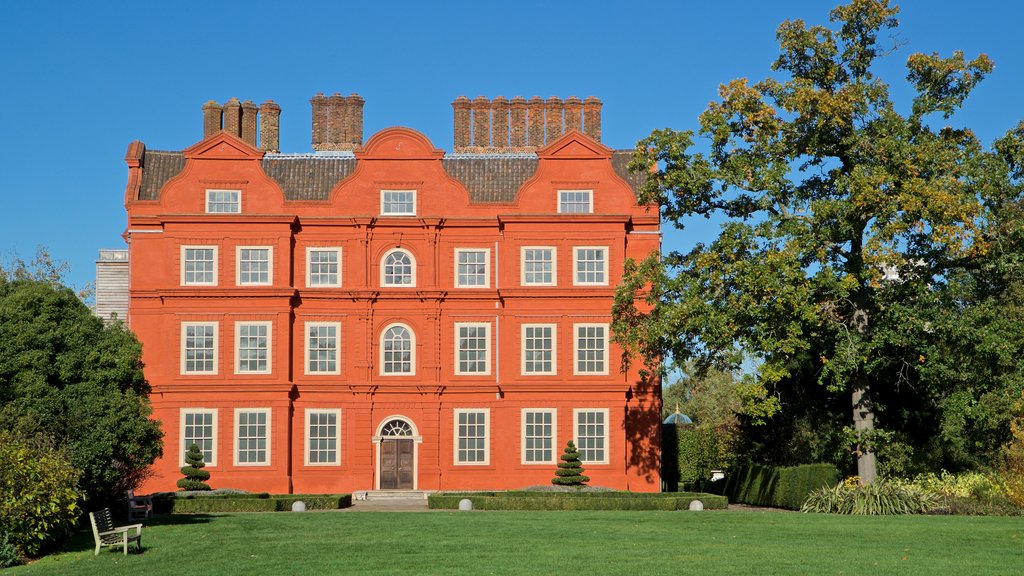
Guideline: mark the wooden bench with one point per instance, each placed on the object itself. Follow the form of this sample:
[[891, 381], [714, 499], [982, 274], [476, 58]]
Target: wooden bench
[[106, 534], [139, 507]]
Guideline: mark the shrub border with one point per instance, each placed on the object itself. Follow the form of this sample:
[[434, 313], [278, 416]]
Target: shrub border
[[576, 500], [263, 502]]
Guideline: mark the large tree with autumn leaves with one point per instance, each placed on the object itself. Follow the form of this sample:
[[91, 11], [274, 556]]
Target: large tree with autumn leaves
[[860, 239]]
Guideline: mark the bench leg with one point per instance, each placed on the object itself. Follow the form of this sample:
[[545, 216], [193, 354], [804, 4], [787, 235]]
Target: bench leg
[[97, 552]]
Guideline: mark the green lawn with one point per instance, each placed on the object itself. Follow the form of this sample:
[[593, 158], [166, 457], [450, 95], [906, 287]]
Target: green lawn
[[561, 543]]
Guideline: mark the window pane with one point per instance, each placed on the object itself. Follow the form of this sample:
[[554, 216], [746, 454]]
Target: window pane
[[323, 268], [199, 266], [199, 431], [252, 437], [199, 350], [254, 266], [538, 266], [590, 266], [473, 349], [590, 436], [472, 268], [538, 437], [538, 346], [575, 201], [398, 202], [323, 437], [223, 201], [472, 437], [397, 351], [323, 348], [398, 269]]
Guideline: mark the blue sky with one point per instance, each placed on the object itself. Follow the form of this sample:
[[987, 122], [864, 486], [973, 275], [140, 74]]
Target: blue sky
[[83, 79]]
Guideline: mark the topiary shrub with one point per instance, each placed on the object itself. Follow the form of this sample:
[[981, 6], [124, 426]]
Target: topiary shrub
[[195, 477], [570, 470], [39, 493]]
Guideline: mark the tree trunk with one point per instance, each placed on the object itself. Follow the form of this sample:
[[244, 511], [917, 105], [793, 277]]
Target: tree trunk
[[864, 424]]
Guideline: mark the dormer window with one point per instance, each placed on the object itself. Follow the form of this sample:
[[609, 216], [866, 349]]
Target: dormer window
[[223, 201], [398, 202], [575, 201]]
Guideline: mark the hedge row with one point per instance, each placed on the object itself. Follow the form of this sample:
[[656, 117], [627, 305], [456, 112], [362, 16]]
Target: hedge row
[[248, 503], [781, 487], [576, 500]]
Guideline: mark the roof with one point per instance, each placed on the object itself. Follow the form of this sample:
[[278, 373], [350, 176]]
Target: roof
[[489, 178]]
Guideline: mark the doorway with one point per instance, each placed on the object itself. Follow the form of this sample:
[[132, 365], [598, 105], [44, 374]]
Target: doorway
[[397, 456]]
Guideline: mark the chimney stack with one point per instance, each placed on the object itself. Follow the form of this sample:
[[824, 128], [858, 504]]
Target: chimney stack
[[211, 118], [270, 127], [499, 123], [461, 105], [517, 120], [337, 122], [481, 123], [233, 117], [573, 114], [592, 117], [249, 122], [535, 115], [553, 118]]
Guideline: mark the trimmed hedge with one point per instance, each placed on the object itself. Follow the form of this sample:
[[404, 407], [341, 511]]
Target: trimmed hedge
[[777, 486], [262, 502], [576, 500]]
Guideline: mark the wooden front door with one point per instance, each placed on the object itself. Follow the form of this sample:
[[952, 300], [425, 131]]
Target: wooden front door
[[396, 464]]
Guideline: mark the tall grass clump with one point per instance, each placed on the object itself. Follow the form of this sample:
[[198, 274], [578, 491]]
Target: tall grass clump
[[880, 498]]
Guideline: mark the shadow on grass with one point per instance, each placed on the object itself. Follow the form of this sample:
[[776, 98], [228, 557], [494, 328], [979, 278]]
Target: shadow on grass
[[82, 540]]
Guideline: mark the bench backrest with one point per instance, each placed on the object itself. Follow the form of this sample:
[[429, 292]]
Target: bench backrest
[[101, 521]]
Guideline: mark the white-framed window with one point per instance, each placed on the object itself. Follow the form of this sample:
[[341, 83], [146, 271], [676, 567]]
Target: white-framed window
[[199, 348], [575, 201], [538, 266], [538, 349], [199, 427], [398, 202], [397, 351], [472, 438], [538, 439], [198, 265], [590, 351], [223, 201], [592, 434], [255, 264], [397, 268], [472, 348], [252, 347], [252, 436], [472, 268], [322, 346], [323, 437], [323, 267], [590, 266]]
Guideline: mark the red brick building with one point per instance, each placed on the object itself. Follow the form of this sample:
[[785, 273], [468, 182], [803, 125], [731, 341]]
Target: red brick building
[[385, 315]]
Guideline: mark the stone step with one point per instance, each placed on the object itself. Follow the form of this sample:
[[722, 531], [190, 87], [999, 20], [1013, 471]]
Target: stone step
[[378, 495]]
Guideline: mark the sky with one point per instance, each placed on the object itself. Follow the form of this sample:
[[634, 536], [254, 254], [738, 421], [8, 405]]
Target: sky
[[83, 79]]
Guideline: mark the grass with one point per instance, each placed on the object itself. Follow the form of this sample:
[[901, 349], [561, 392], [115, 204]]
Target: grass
[[553, 543]]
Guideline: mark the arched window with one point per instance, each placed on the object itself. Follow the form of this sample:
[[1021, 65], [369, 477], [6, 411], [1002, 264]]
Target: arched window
[[398, 268], [397, 351], [396, 427]]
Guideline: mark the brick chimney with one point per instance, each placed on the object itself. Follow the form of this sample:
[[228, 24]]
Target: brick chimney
[[592, 117], [499, 123], [355, 117], [553, 118], [573, 114], [249, 122], [517, 120], [211, 118], [461, 106], [233, 117], [270, 127], [337, 122], [481, 122], [535, 115]]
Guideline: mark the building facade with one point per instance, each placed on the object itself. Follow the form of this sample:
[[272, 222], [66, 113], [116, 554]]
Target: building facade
[[386, 315]]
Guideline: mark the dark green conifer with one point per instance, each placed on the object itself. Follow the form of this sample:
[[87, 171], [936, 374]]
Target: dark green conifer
[[195, 477], [570, 470]]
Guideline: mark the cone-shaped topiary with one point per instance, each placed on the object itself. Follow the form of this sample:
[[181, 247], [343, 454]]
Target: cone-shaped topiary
[[195, 477], [570, 471]]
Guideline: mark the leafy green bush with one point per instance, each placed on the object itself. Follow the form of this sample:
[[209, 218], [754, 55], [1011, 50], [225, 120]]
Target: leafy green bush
[[781, 487], [262, 502], [697, 453], [38, 493], [570, 469], [576, 500], [195, 477], [9, 555], [966, 493], [880, 498]]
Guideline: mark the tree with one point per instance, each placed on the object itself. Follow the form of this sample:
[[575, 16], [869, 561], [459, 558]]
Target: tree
[[570, 470], [845, 221], [195, 477], [66, 375]]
